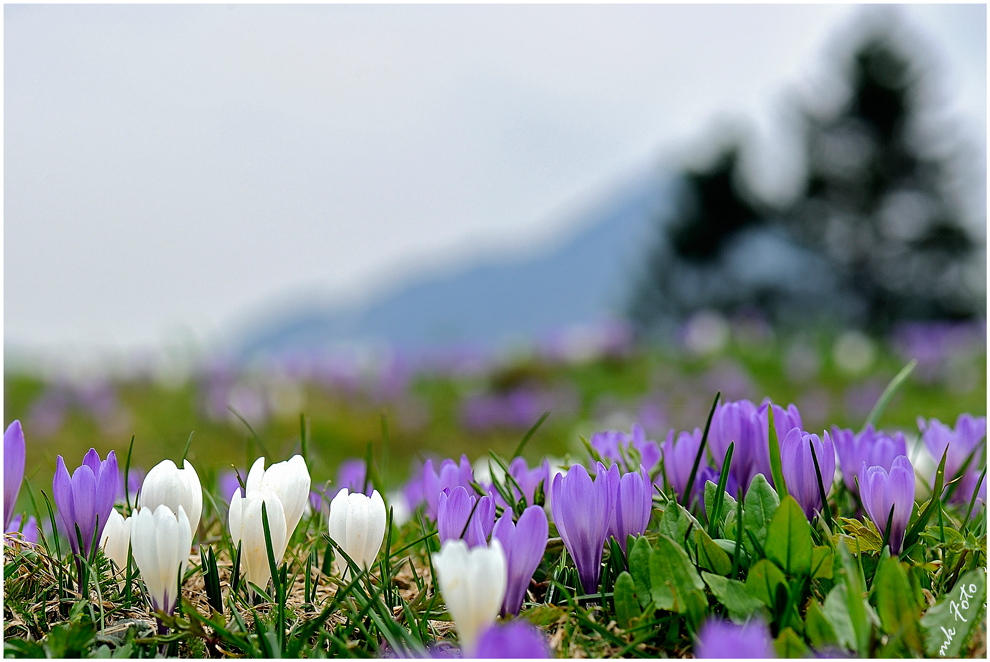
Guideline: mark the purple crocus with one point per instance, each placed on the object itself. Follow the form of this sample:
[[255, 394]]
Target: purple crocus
[[745, 424], [798, 468], [455, 507], [873, 447], [632, 504], [784, 420], [880, 490], [451, 475], [85, 500], [962, 441], [528, 479], [514, 640], [524, 544], [581, 510], [620, 448], [13, 469], [678, 460], [351, 475], [30, 531], [718, 639]]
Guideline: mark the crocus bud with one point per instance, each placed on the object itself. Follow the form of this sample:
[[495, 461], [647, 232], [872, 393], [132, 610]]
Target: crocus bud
[[961, 441], [633, 499], [879, 490], [454, 509], [85, 500], [678, 460], [524, 544], [451, 475], [472, 583], [13, 469], [289, 481], [247, 528], [581, 510], [160, 543], [167, 485], [116, 539], [720, 639], [357, 523], [875, 448], [798, 467]]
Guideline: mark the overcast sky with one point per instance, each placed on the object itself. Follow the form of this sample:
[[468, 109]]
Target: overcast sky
[[171, 171]]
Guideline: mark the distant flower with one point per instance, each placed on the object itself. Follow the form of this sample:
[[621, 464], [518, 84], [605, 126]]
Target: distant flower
[[632, 504], [160, 543], [85, 500], [14, 453], [451, 475], [289, 481], [678, 460], [720, 639], [798, 468], [968, 435], [30, 531], [134, 479], [170, 486], [880, 490], [967, 488], [455, 507], [472, 583], [357, 523], [873, 447], [581, 511], [744, 424], [514, 640], [528, 479], [628, 451], [351, 476], [247, 528], [227, 482], [524, 544]]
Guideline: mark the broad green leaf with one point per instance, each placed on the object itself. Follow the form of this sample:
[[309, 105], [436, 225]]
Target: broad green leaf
[[817, 627], [639, 568], [861, 537], [856, 605], [895, 604], [789, 540], [711, 556], [675, 521], [626, 605], [697, 608], [789, 645], [733, 596], [836, 611], [672, 576], [950, 623], [728, 504], [759, 506], [821, 562], [729, 546], [762, 581]]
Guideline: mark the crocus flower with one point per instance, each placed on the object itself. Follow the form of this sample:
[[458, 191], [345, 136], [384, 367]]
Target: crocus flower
[[170, 486], [247, 528], [798, 468], [720, 639], [528, 479], [30, 531], [134, 479], [633, 504], [451, 475], [351, 475], [454, 509], [617, 447], [86, 499], [472, 583], [880, 490], [513, 641], [357, 524], [678, 460], [289, 481], [116, 538], [160, 543], [581, 511], [784, 420], [745, 424], [13, 469], [967, 488], [524, 544], [873, 447], [962, 441]]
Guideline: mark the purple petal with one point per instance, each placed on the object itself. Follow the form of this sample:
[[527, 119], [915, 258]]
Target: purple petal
[[13, 468], [62, 493], [84, 505], [515, 640]]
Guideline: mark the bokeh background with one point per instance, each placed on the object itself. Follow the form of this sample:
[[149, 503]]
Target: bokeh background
[[456, 218]]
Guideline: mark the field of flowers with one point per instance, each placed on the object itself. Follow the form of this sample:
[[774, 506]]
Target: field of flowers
[[756, 497]]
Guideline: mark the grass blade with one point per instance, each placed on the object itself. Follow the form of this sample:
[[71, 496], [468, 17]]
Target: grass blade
[[701, 450], [889, 393]]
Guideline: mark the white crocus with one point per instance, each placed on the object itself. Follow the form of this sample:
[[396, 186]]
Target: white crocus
[[247, 528], [472, 582], [116, 538], [288, 480], [168, 485], [160, 543], [357, 524], [400, 508]]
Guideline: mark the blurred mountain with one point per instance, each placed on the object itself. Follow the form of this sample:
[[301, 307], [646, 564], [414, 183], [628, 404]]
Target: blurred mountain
[[582, 279]]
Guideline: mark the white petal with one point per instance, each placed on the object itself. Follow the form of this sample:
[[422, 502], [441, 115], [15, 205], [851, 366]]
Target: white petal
[[255, 475]]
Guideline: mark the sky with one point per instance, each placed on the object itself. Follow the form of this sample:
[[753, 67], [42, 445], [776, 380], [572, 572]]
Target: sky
[[172, 172]]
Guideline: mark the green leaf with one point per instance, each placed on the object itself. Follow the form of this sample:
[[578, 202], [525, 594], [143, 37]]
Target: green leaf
[[728, 505], [950, 623], [639, 568], [895, 604], [821, 562], [817, 627], [672, 576], [675, 521], [775, 470], [626, 604], [732, 594], [762, 581], [855, 603], [789, 540], [789, 645], [888, 393], [836, 611], [759, 506], [711, 556]]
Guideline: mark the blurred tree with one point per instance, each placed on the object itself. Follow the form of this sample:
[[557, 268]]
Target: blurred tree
[[875, 237]]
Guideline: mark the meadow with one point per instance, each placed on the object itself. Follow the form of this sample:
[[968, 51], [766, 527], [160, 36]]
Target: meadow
[[671, 510]]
